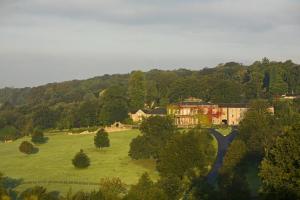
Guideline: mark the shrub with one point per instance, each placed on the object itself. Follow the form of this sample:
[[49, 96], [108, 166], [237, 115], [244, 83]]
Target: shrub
[[101, 139], [27, 148], [38, 137], [9, 133], [81, 160]]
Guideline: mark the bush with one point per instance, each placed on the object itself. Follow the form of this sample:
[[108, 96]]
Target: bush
[[81, 160], [9, 133], [27, 148], [101, 139], [38, 137]]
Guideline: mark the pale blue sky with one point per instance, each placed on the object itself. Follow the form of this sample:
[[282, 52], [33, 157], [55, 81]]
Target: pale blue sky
[[45, 41]]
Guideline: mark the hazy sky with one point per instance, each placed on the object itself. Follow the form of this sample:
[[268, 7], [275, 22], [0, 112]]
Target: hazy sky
[[45, 41]]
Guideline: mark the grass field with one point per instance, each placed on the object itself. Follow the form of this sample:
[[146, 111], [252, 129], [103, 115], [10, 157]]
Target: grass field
[[224, 131], [53, 161]]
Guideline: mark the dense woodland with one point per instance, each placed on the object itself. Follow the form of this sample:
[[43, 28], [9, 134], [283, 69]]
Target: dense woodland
[[108, 98]]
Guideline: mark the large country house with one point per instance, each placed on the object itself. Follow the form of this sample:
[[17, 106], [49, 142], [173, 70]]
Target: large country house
[[139, 115], [192, 112]]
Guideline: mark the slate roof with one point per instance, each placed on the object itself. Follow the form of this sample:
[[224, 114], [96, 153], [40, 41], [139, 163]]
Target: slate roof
[[233, 105]]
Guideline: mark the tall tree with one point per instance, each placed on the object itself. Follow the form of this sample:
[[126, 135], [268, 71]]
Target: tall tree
[[101, 139], [280, 168], [114, 105], [256, 128], [187, 154], [136, 90], [156, 131]]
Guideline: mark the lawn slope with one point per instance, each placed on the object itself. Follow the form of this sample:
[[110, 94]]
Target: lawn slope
[[53, 161]]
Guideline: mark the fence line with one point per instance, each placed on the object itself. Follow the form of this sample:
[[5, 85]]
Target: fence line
[[61, 182]]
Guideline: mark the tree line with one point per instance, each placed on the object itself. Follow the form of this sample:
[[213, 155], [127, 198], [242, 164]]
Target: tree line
[[109, 98]]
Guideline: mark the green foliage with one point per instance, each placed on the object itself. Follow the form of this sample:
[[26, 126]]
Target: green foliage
[[234, 156], [43, 117], [156, 131], [280, 168], [136, 90], [113, 188], [27, 148], [187, 154], [256, 128], [39, 193], [94, 195], [114, 106], [81, 160], [9, 133], [232, 181], [140, 148], [101, 139], [38, 137], [145, 189]]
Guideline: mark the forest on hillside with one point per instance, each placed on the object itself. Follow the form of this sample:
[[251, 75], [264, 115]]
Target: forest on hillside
[[105, 99]]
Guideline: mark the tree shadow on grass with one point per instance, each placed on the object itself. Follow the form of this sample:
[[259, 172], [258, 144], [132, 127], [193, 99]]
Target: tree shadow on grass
[[35, 150]]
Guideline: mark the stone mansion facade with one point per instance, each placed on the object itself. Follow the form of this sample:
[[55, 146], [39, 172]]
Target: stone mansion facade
[[192, 112]]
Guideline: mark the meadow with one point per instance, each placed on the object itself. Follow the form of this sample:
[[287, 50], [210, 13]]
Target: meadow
[[53, 162]]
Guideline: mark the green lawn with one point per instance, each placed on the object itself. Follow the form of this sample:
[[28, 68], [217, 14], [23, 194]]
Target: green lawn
[[53, 161], [224, 131]]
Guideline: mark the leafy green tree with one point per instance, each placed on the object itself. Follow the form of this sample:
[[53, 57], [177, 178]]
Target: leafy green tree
[[145, 189], [114, 105], [9, 133], [187, 154], [27, 148], [81, 160], [140, 148], [113, 188], [38, 192], [280, 168], [136, 90], [172, 186], [38, 137], [44, 117], [234, 156], [101, 139], [88, 113], [256, 128], [232, 181], [156, 131]]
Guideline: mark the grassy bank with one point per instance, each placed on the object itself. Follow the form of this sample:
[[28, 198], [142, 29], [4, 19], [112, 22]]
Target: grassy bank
[[53, 161]]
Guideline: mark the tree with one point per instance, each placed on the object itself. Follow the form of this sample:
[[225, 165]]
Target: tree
[[145, 189], [136, 90], [231, 180], [38, 137], [140, 148], [114, 105], [38, 192], [81, 160], [188, 154], [280, 168], [101, 139], [156, 131], [43, 117], [256, 128], [27, 148], [113, 188]]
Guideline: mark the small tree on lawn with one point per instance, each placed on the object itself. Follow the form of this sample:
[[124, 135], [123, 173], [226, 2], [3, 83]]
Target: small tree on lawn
[[81, 160], [101, 139], [26, 147], [38, 137]]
